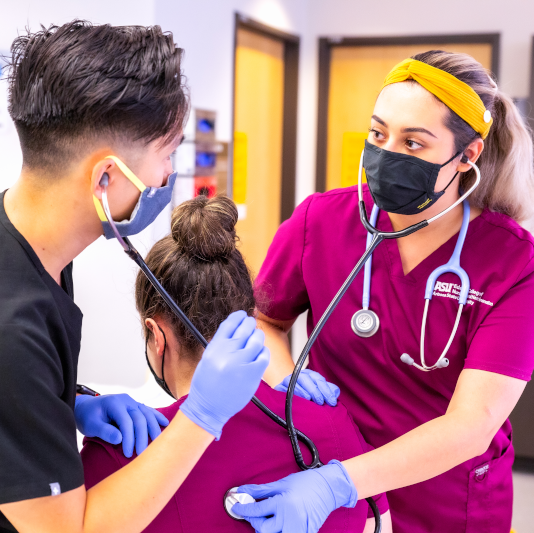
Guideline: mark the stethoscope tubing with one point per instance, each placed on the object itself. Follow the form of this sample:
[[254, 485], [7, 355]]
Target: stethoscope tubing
[[133, 254], [377, 237]]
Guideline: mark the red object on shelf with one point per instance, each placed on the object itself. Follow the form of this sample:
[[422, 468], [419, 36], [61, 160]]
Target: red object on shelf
[[206, 185]]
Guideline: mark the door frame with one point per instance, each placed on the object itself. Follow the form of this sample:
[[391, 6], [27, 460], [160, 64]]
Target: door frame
[[326, 44], [290, 98], [530, 99]]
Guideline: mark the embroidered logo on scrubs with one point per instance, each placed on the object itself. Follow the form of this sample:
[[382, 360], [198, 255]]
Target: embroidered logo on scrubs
[[452, 290], [55, 489]]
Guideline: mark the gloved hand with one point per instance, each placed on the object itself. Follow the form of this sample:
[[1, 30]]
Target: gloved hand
[[228, 374], [298, 503], [96, 414], [312, 386]]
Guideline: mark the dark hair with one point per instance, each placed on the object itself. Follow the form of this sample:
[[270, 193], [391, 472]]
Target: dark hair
[[200, 267], [73, 85], [506, 164]]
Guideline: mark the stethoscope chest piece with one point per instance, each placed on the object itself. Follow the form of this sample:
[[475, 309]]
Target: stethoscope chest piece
[[365, 323], [232, 497]]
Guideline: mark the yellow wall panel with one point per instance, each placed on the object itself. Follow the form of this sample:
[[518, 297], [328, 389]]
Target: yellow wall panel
[[259, 90]]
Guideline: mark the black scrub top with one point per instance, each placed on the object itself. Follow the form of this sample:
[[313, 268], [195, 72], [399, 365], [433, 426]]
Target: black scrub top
[[40, 334]]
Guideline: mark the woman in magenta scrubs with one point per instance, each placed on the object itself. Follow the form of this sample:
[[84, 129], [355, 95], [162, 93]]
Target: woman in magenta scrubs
[[443, 440]]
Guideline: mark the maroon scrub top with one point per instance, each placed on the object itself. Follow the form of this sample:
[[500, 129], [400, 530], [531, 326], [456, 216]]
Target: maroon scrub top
[[252, 449], [311, 256]]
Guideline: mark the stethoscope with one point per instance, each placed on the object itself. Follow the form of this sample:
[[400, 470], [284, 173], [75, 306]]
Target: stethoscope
[[365, 322], [294, 434], [231, 496]]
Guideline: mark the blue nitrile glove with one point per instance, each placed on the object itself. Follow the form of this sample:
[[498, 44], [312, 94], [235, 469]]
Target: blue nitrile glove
[[96, 414], [298, 503], [228, 374], [312, 386]]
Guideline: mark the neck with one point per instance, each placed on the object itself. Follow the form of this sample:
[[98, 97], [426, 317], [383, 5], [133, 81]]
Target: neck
[[53, 215], [178, 375], [419, 245]]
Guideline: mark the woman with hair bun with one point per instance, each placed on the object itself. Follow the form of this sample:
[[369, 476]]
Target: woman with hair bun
[[443, 440], [201, 268]]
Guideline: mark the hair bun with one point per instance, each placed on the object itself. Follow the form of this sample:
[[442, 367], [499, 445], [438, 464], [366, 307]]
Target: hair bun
[[205, 228]]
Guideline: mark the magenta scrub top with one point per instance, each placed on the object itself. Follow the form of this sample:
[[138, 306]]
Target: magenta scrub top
[[311, 256], [252, 449]]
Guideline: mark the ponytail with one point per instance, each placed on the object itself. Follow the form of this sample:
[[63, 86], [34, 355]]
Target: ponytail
[[506, 163]]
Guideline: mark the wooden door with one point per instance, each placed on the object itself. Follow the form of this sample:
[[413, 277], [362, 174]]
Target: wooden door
[[258, 129], [356, 76]]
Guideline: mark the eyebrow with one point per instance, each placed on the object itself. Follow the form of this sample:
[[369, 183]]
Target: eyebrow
[[418, 130], [405, 130], [379, 120]]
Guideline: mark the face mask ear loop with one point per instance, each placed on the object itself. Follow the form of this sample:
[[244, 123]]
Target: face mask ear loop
[[463, 160], [464, 196], [167, 390], [160, 381], [453, 178], [104, 182]]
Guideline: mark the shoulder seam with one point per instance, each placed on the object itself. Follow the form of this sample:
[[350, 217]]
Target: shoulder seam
[[509, 231], [334, 192]]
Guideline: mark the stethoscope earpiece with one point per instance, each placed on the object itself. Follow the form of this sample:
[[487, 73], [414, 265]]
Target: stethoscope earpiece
[[104, 180]]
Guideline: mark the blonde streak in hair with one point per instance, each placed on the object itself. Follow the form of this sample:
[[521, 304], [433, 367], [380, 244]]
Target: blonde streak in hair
[[506, 164], [508, 184]]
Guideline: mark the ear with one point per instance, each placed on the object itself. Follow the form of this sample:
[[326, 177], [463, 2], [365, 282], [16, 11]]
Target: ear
[[157, 336], [472, 152], [103, 166]]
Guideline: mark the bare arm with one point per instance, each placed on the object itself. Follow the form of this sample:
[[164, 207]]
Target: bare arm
[[480, 405], [277, 341], [125, 502]]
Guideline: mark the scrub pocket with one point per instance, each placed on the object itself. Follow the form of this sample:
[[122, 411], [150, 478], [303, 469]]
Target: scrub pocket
[[490, 495]]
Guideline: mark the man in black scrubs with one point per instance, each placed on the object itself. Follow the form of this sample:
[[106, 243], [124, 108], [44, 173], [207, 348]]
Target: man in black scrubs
[[86, 101]]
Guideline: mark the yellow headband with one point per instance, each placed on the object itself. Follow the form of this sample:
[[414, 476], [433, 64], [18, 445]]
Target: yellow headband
[[455, 94]]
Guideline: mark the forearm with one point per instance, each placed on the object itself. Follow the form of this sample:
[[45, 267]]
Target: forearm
[[423, 453], [130, 499], [277, 341]]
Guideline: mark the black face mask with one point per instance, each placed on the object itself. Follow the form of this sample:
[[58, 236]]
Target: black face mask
[[159, 380], [401, 183]]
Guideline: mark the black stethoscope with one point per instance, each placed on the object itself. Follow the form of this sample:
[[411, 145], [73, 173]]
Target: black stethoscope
[[294, 434], [133, 254]]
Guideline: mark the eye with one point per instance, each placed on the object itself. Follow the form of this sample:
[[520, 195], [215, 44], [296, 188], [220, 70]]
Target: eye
[[412, 145], [375, 134]]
